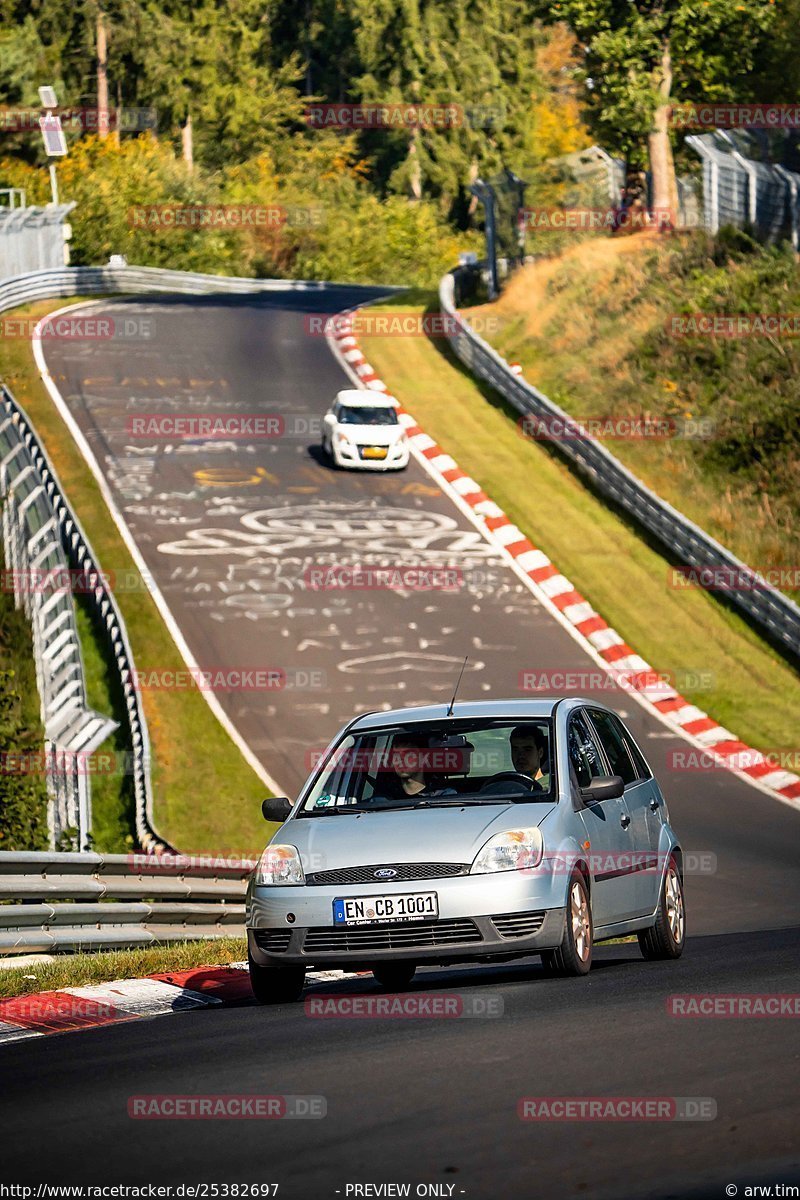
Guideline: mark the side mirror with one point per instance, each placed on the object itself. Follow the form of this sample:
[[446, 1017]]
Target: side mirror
[[276, 808], [603, 787]]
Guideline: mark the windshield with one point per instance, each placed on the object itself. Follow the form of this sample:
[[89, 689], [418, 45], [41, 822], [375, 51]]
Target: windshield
[[425, 766], [362, 414]]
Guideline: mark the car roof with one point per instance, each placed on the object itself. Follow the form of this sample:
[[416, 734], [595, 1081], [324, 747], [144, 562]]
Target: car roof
[[359, 398], [514, 710]]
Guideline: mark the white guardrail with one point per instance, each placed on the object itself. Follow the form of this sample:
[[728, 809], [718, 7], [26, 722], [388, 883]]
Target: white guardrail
[[41, 534], [774, 613], [69, 902], [40, 537]]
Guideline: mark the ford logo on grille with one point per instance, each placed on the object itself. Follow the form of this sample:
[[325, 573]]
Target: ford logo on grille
[[384, 873]]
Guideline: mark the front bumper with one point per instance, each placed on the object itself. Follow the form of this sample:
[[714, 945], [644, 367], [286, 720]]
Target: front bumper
[[480, 917], [433, 942], [396, 458]]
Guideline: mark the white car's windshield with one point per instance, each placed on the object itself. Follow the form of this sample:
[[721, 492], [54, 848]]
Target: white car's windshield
[[427, 765], [361, 414]]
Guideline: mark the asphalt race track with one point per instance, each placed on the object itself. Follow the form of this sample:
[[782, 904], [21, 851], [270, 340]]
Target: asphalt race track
[[230, 531]]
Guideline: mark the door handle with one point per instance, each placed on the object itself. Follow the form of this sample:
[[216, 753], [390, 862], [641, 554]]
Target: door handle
[[624, 820], [654, 806]]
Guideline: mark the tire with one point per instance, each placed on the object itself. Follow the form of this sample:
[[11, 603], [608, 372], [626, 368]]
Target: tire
[[394, 976], [574, 955], [276, 985], [666, 938]]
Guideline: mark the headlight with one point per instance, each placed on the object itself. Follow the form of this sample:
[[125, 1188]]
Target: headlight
[[279, 864], [514, 850], [341, 438]]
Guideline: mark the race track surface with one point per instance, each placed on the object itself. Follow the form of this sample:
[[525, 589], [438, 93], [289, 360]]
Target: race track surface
[[230, 532]]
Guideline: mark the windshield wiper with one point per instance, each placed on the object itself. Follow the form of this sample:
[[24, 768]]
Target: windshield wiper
[[356, 808]]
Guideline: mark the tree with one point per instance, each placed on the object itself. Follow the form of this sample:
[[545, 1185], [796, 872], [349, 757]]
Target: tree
[[643, 56]]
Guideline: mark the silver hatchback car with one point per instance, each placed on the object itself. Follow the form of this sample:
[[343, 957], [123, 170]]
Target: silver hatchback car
[[481, 831]]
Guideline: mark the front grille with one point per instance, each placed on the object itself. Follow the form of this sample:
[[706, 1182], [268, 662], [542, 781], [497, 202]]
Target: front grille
[[391, 937], [516, 925], [276, 941], [405, 871]]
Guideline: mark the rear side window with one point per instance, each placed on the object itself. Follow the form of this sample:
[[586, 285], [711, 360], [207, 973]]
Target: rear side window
[[584, 755], [611, 732]]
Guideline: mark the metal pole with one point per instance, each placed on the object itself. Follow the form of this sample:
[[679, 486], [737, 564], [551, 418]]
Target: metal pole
[[53, 183], [486, 196]]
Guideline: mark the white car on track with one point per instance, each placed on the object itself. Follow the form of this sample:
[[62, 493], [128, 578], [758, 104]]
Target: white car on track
[[361, 431]]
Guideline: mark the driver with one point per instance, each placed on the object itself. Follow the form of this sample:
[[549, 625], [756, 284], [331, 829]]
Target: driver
[[529, 753], [408, 760]]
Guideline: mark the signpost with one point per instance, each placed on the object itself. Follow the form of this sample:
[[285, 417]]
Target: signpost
[[55, 144]]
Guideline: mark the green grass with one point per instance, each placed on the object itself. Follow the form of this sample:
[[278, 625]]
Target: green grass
[[750, 688], [23, 796], [113, 801], [75, 970], [206, 797]]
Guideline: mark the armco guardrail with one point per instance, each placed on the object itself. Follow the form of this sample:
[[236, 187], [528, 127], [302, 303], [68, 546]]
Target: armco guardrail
[[91, 281], [37, 569], [93, 902], [773, 612]]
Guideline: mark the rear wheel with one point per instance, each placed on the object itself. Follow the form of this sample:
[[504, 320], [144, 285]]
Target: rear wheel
[[574, 955], [394, 976], [276, 985], [665, 939]]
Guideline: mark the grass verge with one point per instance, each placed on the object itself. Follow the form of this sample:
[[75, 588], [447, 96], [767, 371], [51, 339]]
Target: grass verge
[[714, 657], [75, 970], [206, 797]]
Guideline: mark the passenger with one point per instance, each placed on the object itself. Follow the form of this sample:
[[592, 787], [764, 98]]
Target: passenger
[[529, 753]]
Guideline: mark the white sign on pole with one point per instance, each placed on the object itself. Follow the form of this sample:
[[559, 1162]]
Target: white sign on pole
[[47, 97], [54, 141]]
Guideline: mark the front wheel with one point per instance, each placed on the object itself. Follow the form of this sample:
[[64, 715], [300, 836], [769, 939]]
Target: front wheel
[[276, 985], [666, 938], [574, 955], [394, 976]]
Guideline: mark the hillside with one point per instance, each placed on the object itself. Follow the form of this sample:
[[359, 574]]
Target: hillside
[[601, 330]]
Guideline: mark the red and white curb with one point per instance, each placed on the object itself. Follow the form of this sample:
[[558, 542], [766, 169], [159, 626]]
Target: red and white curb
[[559, 596], [74, 1008]]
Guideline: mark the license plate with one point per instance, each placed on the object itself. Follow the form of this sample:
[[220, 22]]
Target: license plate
[[372, 910], [374, 452]]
